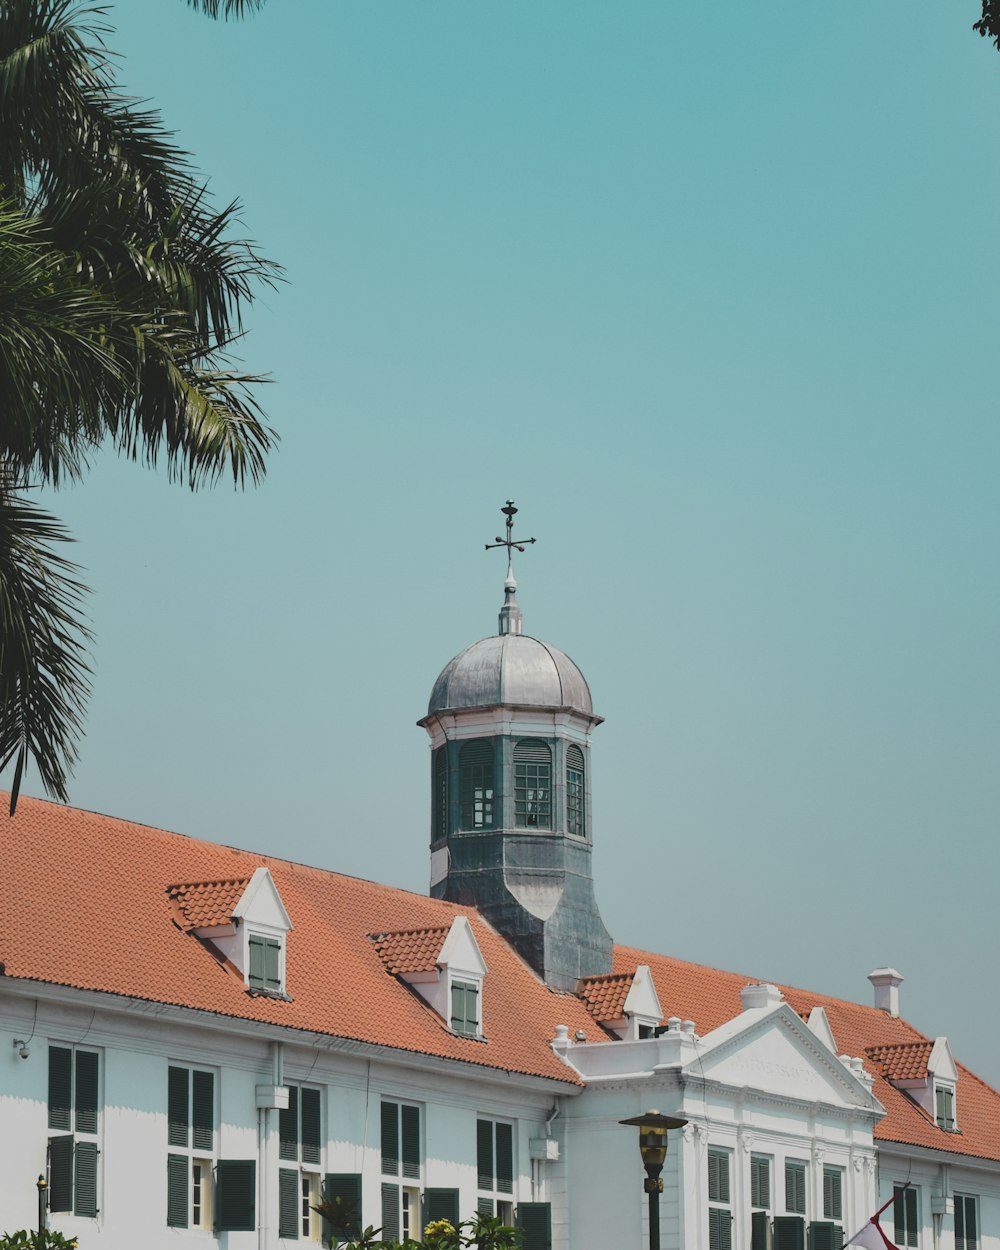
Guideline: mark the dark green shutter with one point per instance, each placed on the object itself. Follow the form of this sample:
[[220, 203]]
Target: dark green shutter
[[236, 1195], [476, 784], [203, 1110], [458, 1006], [439, 786], [288, 1202], [272, 964], [60, 1088], [60, 1173], [86, 1091], [832, 1193], [178, 1175], [825, 1235], [720, 1229], [534, 1219], [410, 1117], [85, 1179], [795, 1186], [441, 1204], [390, 1212], [288, 1126], [256, 977], [177, 1106], [505, 1158], [311, 1143], [484, 1206], [343, 1189], [760, 1226], [390, 1138], [760, 1181], [789, 1232], [718, 1176], [959, 1222], [484, 1153]]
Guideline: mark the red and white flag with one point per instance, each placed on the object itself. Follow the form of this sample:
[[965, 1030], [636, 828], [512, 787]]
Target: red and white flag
[[871, 1237]]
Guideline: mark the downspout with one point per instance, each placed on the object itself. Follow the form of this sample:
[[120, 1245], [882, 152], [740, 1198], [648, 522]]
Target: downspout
[[265, 1132], [536, 1164]]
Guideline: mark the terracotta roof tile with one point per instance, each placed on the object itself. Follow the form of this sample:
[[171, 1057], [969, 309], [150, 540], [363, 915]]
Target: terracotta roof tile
[[605, 996], [106, 880], [710, 997], [902, 1061], [411, 950], [204, 904]]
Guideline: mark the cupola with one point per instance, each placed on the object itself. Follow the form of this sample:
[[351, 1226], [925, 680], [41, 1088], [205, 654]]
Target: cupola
[[510, 719]]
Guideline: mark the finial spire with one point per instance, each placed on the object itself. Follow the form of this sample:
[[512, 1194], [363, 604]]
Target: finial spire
[[510, 613]]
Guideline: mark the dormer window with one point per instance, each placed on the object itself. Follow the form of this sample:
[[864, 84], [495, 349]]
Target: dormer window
[[944, 1107], [625, 1003], [244, 921], [444, 966], [532, 784], [465, 1007]]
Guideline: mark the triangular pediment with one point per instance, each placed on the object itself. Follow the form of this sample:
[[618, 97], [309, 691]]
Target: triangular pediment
[[775, 1052], [261, 903]]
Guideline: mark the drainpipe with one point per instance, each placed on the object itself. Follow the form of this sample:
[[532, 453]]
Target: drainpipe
[[265, 1136], [536, 1164]]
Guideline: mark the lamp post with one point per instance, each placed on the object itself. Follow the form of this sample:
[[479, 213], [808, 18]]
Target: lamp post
[[653, 1147], [42, 1187]]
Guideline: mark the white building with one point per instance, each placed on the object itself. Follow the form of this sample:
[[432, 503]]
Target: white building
[[196, 1042]]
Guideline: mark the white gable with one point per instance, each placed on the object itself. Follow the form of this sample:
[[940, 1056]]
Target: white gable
[[820, 1025], [774, 1052], [941, 1064], [642, 998], [460, 953], [260, 904]]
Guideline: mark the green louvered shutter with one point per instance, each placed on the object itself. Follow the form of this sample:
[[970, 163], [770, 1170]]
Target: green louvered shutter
[[390, 1212], [85, 1179], [60, 1173], [390, 1138], [60, 1088], [720, 1229], [789, 1232], [178, 1169], [257, 977], [86, 1091], [272, 964], [484, 1153], [485, 1206], [824, 1235], [534, 1219], [718, 1176], [760, 1227], [288, 1126], [832, 1193], [760, 1181], [505, 1158], [795, 1186], [439, 788], [177, 1106], [311, 1143], [288, 1202], [475, 763], [410, 1118], [344, 1189], [441, 1204], [203, 1110], [236, 1195]]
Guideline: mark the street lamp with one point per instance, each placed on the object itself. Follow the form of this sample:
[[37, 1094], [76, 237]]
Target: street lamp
[[653, 1147]]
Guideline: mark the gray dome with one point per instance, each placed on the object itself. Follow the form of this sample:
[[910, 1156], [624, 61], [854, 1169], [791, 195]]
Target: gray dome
[[511, 668]]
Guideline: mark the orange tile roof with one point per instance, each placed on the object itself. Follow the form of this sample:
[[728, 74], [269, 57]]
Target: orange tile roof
[[605, 996], [204, 904], [903, 1061], [412, 950], [107, 881], [710, 997]]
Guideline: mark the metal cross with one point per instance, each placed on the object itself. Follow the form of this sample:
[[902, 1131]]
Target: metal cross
[[510, 541]]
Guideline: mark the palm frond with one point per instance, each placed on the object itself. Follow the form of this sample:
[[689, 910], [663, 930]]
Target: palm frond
[[44, 673], [227, 8]]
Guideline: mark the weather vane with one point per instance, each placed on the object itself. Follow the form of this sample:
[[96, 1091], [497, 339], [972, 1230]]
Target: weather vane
[[510, 541]]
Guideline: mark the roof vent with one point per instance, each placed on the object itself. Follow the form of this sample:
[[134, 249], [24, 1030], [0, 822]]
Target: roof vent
[[761, 995], [886, 982]]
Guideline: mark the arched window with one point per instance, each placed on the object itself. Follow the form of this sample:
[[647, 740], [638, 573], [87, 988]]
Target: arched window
[[532, 784], [439, 794], [576, 803], [475, 787]]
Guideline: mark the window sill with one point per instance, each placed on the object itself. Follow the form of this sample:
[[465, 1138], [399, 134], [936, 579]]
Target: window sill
[[255, 992]]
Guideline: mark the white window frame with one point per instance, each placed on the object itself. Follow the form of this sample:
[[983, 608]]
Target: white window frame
[[198, 1156]]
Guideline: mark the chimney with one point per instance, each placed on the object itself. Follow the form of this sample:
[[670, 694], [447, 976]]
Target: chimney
[[886, 982]]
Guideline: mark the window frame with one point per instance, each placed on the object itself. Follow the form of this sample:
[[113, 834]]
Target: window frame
[[496, 1142], [833, 1193], [69, 1116], [760, 1164], [906, 1231], [966, 1203], [944, 1117], [477, 789], [195, 1150], [532, 784], [796, 1168], [298, 1173], [720, 1194], [576, 791], [463, 990], [268, 979]]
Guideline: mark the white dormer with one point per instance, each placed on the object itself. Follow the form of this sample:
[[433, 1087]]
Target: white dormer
[[942, 1072], [446, 968], [642, 1009], [625, 1003], [252, 937], [819, 1024]]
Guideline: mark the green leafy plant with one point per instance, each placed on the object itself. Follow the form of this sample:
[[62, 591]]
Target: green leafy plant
[[46, 1239], [482, 1232]]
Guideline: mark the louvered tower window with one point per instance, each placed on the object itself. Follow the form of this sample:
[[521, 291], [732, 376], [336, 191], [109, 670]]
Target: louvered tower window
[[532, 784], [439, 794], [575, 800], [476, 784]]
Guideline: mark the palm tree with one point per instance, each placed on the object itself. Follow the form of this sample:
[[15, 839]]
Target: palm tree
[[122, 291]]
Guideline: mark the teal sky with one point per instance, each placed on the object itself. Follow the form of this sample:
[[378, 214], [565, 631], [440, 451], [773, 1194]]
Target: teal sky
[[713, 292]]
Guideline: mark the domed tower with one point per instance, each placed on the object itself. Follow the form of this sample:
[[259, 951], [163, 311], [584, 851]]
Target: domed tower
[[510, 720]]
